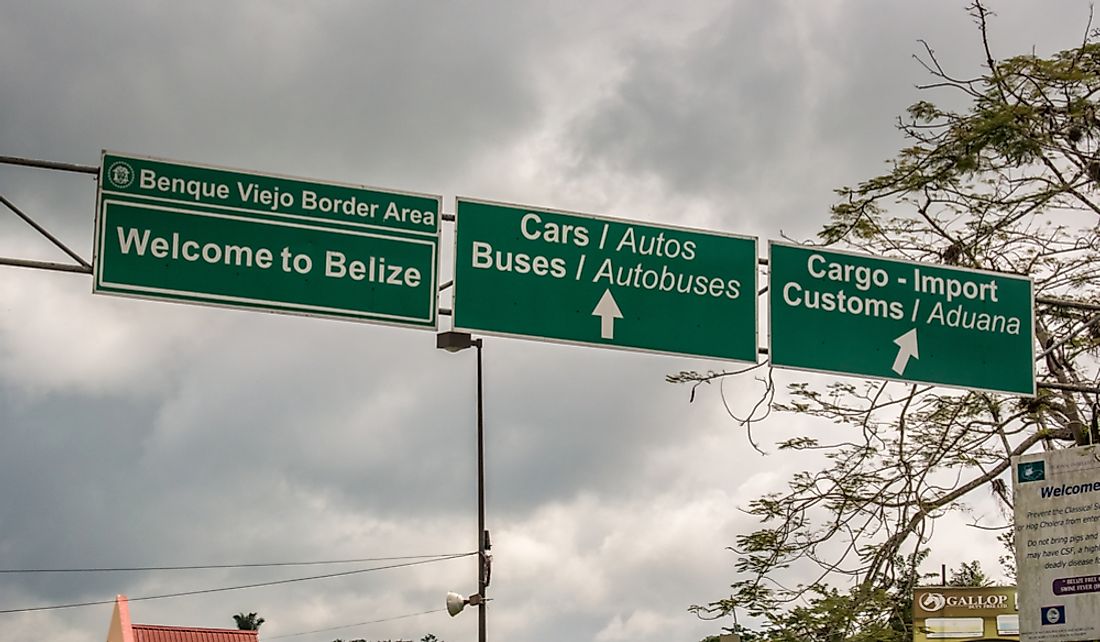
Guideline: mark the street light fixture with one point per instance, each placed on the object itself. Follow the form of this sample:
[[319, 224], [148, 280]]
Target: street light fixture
[[455, 602], [454, 342]]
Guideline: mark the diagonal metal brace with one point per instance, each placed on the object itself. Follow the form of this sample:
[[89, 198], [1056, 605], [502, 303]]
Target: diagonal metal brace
[[41, 230]]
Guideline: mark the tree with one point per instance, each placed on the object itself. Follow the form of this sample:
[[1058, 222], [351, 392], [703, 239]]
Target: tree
[[1008, 558], [1008, 183], [427, 638], [744, 634], [248, 622], [970, 574]]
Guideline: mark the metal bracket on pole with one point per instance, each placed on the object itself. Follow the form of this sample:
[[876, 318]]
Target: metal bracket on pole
[[46, 265], [82, 266], [42, 164]]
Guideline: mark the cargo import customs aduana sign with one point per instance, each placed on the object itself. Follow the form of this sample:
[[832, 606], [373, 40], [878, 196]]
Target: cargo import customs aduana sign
[[613, 283], [849, 313], [190, 233]]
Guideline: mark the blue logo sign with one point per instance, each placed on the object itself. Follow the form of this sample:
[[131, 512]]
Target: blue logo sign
[[1031, 471], [1054, 614]]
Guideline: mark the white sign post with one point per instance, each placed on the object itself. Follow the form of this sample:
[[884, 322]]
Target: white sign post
[[1057, 497]]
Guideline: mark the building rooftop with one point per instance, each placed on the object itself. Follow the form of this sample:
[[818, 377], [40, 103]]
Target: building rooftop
[[158, 633], [122, 630]]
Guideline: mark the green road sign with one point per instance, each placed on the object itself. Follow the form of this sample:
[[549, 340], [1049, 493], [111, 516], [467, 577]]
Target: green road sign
[[189, 233], [848, 313], [576, 278]]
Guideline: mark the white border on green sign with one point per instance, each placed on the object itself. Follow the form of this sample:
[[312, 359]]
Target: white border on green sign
[[589, 344], [1007, 275], [430, 322], [351, 223]]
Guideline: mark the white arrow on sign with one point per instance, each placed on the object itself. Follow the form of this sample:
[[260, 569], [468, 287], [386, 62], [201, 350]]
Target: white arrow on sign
[[608, 311], [907, 347]]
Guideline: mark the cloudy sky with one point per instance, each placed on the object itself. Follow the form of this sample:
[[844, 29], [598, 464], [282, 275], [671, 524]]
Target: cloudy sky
[[136, 433]]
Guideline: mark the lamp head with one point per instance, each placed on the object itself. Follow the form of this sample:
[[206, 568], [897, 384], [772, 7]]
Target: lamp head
[[455, 603], [453, 341]]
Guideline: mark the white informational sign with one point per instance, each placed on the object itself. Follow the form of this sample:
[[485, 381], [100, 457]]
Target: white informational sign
[[1008, 624], [954, 628], [1058, 544]]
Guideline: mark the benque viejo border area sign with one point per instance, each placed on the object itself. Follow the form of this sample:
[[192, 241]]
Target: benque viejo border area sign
[[199, 234]]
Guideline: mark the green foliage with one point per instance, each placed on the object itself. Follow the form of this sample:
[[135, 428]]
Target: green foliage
[[248, 621], [1008, 557], [744, 634], [427, 638], [970, 574], [827, 614]]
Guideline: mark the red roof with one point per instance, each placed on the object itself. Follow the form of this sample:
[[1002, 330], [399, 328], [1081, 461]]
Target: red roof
[[122, 630], [157, 633]]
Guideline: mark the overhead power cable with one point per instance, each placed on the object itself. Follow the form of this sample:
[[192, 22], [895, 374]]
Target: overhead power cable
[[350, 626], [111, 569], [291, 580]]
